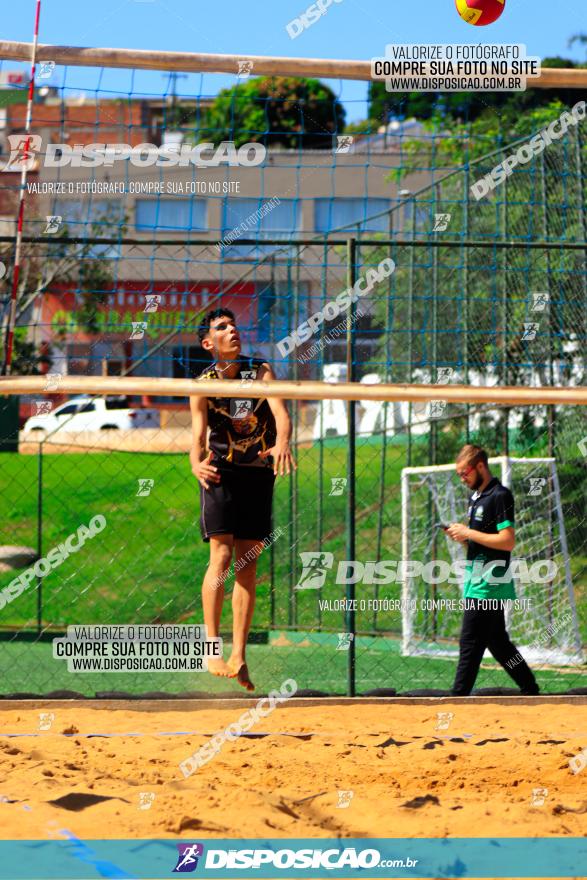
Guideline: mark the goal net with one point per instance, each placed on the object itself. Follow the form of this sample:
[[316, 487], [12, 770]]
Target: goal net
[[543, 621]]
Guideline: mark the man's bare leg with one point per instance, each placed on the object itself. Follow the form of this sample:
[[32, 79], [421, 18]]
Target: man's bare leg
[[243, 605], [213, 594]]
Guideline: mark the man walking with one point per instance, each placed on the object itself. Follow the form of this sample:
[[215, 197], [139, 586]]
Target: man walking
[[490, 538]]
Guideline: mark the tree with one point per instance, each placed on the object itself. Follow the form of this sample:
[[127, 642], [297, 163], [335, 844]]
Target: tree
[[81, 264], [280, 111]]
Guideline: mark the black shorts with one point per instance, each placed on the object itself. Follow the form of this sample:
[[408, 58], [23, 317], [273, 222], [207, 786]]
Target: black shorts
[[239, 505]]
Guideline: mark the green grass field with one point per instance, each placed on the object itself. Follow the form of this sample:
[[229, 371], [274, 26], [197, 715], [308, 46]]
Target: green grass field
[[311, 660], [147, 565]]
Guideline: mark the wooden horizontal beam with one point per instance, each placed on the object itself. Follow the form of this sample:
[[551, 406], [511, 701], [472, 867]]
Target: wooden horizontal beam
[[136, 385], [263, 65]]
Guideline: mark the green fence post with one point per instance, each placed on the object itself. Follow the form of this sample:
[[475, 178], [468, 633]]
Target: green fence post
[[351, 407], [40, 536]]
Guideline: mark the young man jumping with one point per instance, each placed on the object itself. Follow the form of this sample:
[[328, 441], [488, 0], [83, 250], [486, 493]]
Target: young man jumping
[[248, 446], [490, 538]]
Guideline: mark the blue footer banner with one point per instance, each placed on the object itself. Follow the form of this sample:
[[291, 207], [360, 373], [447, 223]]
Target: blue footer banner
[[75, 859]]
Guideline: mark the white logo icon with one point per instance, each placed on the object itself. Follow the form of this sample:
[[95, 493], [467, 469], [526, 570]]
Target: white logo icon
[[315, 566], [52, 381], [247, 377], [538, 797], [240, 409], [47, 68], [42, 407], [244, 69], [146, 798], [344, 799], [441, 222], [145, 487], [530, 331], [344, 143], [21, 158], [443, 720], [444, 375], [578, 762], [338, 485], [46, 719], [436, 409], [138, 329], [537, 484], [54, 222], [152, 302], [344, 641], [540, 301]]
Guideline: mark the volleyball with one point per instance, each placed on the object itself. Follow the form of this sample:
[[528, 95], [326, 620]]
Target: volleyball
[[480, 12]]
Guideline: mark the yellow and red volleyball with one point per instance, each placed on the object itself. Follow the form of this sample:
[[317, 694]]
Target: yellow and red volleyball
[[480, 12]]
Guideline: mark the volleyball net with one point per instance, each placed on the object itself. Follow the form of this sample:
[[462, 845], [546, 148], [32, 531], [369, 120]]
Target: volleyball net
[[363, 261]]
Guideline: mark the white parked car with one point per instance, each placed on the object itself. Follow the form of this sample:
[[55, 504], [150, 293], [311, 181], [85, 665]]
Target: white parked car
[[92, 414]]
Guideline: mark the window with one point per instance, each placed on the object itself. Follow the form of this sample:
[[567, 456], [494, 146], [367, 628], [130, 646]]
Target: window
[[175, 214], [90, 211], [331, 214], [68, 410], [117, 403], [258, 219], [88, 407], [94, 218]]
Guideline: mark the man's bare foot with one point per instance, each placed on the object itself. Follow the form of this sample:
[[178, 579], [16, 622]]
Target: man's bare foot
[[217, 666], [240, 671]]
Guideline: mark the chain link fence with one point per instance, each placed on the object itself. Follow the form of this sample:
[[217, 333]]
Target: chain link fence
[[487, 291]]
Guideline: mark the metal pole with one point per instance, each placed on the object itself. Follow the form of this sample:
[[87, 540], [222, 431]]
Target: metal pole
[[466, 299], [292, 554], [296, 418], [505, 318], [430, 592], [40, 536], [272, 301], [386, 409], [320, 415], [351, 406], [26, 161], [410, 355], [550, 410]]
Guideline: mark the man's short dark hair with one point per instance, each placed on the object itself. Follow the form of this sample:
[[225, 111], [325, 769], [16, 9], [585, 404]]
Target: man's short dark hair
[[204, 327]]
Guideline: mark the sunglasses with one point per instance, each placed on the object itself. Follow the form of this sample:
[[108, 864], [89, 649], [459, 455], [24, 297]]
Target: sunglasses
[[466, 472]]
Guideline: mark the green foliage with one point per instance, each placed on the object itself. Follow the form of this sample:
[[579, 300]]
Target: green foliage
[[79, 264], [467, 306], [277, 111], [26, 357]]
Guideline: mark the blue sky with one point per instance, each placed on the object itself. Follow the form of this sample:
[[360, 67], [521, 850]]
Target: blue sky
[[357, 29]]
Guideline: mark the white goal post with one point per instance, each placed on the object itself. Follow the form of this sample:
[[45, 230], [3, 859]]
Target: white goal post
[[544, 623]]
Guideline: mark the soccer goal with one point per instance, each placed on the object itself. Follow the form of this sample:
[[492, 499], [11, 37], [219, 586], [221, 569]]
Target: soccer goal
[[544, 625]]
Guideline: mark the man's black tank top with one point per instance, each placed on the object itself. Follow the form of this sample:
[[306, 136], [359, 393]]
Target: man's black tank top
[[240, 428]]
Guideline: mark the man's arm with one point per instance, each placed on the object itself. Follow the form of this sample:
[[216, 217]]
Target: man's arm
[[283, 459], [505, 539], [202, 466]]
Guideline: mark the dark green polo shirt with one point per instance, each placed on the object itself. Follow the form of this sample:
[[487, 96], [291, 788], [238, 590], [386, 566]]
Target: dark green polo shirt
[[489, 512]]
